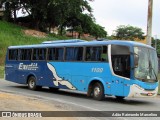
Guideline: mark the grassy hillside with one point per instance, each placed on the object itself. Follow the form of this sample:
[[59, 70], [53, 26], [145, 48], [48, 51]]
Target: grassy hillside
[[11, 34]]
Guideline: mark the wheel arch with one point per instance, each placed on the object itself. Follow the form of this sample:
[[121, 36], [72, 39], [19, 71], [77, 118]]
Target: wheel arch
[[30, 75], [91, 84]]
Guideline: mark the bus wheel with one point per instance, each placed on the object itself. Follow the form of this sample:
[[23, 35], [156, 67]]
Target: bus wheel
[[32, 83], [120, 97], [98, 91]]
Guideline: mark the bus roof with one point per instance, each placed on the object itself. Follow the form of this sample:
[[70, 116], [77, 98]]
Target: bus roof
[[63, 43]]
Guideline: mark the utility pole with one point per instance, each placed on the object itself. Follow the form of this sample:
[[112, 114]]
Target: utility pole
[[149, 22]]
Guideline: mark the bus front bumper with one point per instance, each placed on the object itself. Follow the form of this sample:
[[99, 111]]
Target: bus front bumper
[[137, 91]]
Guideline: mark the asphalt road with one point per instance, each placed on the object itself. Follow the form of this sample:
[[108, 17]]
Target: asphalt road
[[77, 101]]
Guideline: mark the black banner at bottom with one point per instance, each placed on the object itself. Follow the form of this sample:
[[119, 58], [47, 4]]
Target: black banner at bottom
[[79, 113]]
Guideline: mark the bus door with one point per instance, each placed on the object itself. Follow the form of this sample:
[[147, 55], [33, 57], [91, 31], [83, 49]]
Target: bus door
[[120, 68]]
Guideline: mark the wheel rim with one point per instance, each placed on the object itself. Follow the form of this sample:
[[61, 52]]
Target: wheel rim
[[31, 83], [97, 91]]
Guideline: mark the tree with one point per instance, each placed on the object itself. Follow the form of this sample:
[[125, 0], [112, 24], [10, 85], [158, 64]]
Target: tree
[[11, 7], [44, 14], [70, 12], [128, 33], [80, 23], [38, 12], [98, 31], [156, 44]]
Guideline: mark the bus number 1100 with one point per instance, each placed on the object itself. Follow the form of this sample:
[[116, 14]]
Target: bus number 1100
[[97, 70]]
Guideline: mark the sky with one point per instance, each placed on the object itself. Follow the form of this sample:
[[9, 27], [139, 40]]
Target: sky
[[112, 13]]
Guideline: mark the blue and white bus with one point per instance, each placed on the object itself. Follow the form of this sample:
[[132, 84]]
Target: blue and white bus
[[99, 68]]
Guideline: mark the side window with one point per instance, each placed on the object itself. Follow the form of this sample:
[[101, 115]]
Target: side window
[[104, 54], [88, 53], [13, 54], [55, 54], [51, 54], [93, 53], [25, 54], [70, 54], [78, 53], [59, 54], [74, 54], [39, 54]]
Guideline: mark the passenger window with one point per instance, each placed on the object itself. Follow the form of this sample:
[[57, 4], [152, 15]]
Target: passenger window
[[70, 54], [51, 54], [25, 54], [39, 54], [13, 54], [59, 54], [93, 53], [104, 54], [74, 54], [78, 53], [55, 54]]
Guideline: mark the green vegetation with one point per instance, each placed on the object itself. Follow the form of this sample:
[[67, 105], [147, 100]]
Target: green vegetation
[[11, 34], [157, 44], [128, 33], [1, 71], [45, 15]]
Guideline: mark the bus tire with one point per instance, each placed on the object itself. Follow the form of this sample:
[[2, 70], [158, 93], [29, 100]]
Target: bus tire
[[98, 91], [32, 83]]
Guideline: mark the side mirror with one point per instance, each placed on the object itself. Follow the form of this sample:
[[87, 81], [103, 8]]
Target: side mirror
[[136, 59]]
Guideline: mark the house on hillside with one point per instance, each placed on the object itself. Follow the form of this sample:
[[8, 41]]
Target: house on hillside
[[142, 40], [75, 34]]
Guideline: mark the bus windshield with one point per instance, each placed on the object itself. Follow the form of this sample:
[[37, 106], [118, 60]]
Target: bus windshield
[[147, 68]]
